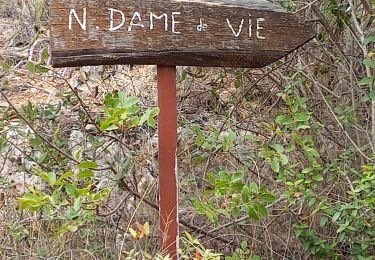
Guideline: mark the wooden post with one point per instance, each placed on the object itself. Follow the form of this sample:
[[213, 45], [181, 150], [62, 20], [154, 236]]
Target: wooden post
[[168, 183]]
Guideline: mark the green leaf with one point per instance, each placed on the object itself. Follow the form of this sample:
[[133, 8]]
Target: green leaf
[[275, 165], [84, 191], [278, 148], [145, 117], [73, 228], [71, 190], [318, 177], [303, 127], [302, 117], [369, 96], [130, 111], [323, 221], [77, 154], [366, 81], [294, 107], [51, 178], [336, 216], [268, 197], [369, 39], [266, 153], [108, 125], [130, 101], [245, 194], [284, 159], [251, 212], [64, 177], [85, 174], [88, 165], [154, 112], [7, 65], [35, 68], [77, 204], [284, 120], [44, 56], [149, 116], [307, 170], [369, 63], [261, 210], [341, 228]]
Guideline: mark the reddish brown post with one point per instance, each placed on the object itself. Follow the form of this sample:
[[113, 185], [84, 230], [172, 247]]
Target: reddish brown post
[[167, 130]]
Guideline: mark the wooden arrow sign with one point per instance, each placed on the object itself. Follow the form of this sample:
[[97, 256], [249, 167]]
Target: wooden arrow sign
[[238, 33]]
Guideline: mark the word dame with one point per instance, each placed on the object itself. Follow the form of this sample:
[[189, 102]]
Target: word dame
[[169, 22]]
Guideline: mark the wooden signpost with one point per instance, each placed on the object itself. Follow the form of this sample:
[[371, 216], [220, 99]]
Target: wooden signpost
[[169, 33]]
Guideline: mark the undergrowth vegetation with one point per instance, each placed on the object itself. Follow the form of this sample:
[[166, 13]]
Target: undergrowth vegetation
[[274, 163]]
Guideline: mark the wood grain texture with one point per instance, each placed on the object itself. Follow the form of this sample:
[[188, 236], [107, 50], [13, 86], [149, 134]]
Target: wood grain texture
[[237, 33]]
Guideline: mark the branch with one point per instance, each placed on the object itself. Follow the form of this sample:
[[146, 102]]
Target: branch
[[33, 129], [182, 222]]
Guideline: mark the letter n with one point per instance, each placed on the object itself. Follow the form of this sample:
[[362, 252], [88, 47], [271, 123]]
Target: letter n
[[82, 22]]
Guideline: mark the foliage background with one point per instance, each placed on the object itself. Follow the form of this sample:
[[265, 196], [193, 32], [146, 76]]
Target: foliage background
[[274, 163]]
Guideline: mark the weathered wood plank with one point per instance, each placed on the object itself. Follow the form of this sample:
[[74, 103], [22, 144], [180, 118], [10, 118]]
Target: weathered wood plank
[[240, 33]]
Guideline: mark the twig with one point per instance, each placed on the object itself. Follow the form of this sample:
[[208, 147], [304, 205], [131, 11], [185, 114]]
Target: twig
[[241, 219], [339, 123], [114, 210], [34, 130], [182, 222]]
